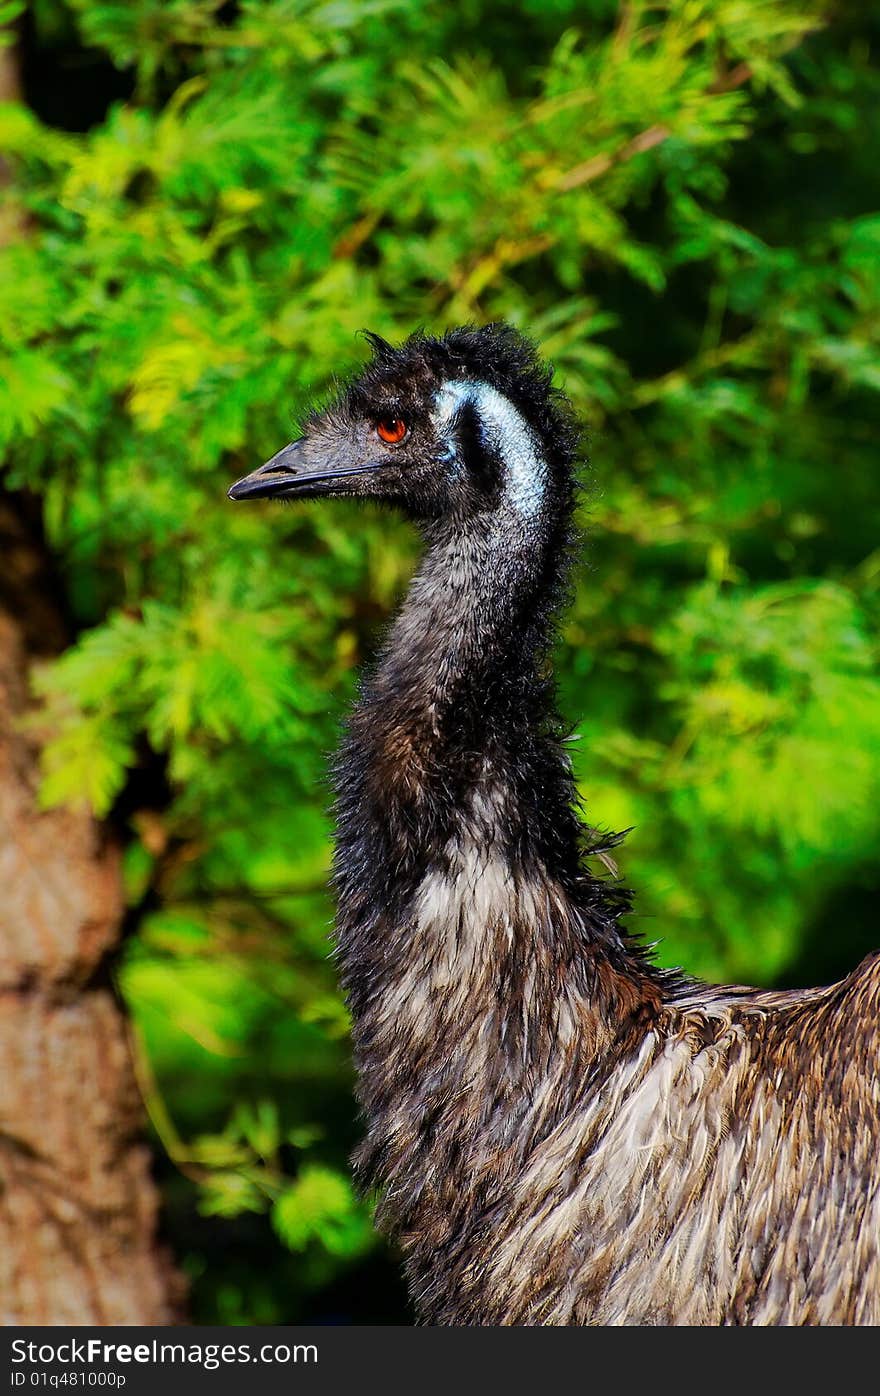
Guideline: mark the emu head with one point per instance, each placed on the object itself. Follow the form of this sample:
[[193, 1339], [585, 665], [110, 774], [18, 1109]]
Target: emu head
[[450, 428]]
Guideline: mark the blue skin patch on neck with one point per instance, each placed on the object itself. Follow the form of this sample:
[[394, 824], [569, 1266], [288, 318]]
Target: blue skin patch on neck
[[506, 431]]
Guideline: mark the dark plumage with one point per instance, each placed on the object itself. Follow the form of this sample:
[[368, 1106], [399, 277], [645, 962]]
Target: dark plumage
[[563, 1133]]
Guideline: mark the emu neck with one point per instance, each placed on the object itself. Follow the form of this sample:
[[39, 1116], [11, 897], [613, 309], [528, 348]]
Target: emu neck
[[469, 633], [454, 789], [483, 964]]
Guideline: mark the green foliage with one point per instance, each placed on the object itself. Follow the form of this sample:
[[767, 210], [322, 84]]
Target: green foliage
[[320, 1206], [679, 201]]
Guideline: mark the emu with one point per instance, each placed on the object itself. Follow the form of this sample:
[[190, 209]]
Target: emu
[[561, 1131]]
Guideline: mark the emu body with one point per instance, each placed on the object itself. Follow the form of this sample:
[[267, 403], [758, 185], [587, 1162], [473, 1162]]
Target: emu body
[[563, 1132]]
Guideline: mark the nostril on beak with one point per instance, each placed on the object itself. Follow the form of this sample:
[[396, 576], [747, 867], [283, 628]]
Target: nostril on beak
[[269, 479]]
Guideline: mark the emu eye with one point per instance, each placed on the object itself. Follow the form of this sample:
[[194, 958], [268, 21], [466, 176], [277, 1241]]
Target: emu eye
[[391, 429]]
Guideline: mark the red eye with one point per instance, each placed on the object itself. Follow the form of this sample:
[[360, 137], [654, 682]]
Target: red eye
[[391, 429]]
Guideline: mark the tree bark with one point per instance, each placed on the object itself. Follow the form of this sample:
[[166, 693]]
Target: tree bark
[[78, 1209]]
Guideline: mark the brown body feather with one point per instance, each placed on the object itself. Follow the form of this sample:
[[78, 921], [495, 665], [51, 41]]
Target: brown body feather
[[563, 1141]]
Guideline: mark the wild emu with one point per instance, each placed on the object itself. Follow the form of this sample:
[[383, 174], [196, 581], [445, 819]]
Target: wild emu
[[563, 1132]]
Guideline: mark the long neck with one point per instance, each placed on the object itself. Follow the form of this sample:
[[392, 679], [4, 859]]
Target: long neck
[[477, 952], [470, 634], [460, 709]]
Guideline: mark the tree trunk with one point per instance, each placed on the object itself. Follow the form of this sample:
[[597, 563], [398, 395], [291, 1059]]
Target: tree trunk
[[77, 1205]]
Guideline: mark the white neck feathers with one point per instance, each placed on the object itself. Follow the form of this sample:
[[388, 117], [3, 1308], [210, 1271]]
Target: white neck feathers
[[506, 432]]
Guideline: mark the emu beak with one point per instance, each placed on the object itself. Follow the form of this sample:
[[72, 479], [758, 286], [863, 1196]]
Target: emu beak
[[273, 478], [288, 475]]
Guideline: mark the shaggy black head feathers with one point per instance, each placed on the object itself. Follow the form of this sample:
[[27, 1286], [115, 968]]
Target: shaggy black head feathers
[[496, 354]]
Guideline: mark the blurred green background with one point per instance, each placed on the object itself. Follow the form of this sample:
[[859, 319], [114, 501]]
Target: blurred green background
[[204, 202]]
